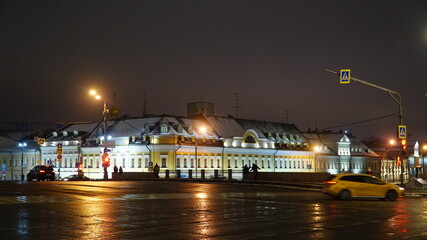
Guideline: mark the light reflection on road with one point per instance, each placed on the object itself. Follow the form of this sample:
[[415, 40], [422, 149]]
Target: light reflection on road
[[203, 210], [207, 211]]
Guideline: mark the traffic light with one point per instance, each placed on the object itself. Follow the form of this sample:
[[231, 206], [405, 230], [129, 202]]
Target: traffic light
[[403, 146], [398, 161], [105, 160]]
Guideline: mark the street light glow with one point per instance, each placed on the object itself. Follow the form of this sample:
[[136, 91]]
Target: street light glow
[[392, 142], [202, 130], [92, 92]]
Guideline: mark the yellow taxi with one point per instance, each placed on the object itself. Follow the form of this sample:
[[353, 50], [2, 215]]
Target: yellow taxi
[[346, 186]]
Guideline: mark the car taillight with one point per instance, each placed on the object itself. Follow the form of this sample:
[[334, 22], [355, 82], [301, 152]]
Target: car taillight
[[42, 171], [331, 182]]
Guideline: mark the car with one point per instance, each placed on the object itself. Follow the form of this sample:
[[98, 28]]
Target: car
[[346, 186], [41, 172], [75, 177]]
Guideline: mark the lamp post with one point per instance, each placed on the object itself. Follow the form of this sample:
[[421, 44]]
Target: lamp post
[[22, 145], [104, 113], [201, 130]]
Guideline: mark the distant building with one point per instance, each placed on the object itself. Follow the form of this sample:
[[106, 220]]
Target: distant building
[[343, 153], [15, 160], [197, 108]]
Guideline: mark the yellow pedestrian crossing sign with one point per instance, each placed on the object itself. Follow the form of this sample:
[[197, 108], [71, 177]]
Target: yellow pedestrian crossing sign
[[344, 76], [402, 131], [41, 141]]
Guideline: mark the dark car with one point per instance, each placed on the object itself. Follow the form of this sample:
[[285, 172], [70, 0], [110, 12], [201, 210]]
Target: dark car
[[41, 172], [75, 177]]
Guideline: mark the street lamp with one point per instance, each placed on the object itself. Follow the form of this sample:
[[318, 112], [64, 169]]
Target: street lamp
[[104, 113], [22, 145], [202, 130]]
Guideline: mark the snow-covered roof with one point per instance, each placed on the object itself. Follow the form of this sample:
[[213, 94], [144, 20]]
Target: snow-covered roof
[[331, 140], [226, 127], [6, 142]]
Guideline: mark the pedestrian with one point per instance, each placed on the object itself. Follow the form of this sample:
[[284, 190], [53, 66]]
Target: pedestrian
[[120, 170], [156, 171], [115, 171], [245, 172], [369, 171], [255, 169]]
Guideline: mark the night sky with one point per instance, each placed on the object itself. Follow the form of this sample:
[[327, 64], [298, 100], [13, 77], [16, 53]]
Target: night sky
[[270, 52]]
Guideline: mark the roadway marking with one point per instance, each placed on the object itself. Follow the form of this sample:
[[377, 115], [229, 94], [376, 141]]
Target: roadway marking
[[271, 235]]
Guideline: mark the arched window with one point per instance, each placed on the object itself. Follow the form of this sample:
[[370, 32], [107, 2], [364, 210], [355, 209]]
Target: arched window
[[147, 129], [180, 129], [250, 139], [164, 128]]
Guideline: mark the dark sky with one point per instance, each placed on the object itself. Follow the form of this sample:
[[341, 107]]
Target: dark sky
[[271, 52]]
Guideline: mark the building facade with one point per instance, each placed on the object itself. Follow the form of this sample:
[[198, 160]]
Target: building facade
[[208, 143], [190, 146]]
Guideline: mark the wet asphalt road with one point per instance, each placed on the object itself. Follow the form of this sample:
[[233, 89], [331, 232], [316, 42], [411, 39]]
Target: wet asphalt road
[[179, 210]]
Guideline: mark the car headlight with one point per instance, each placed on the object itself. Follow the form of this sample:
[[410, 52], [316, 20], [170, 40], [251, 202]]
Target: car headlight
[[401, 189]]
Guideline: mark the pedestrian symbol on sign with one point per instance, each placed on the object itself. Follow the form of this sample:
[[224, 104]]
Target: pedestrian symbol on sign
[[345, 76], [402, 131]]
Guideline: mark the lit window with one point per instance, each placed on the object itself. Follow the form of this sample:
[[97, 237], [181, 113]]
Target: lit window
[[178, 162], [147, 129], [147, 162], [163, 162], [164, 128]]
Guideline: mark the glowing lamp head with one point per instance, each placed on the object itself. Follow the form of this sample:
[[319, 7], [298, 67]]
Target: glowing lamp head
[[202, 130], [92, 92]]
